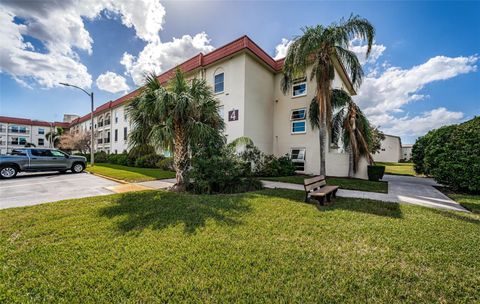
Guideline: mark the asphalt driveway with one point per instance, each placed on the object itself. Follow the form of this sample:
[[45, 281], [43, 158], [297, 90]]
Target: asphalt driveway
[[36, 188]]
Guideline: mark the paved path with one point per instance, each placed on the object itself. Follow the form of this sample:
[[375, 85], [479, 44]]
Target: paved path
[[401, 189], [37, 188]]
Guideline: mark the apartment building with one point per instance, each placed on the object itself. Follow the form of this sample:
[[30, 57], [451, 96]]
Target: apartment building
[[18, 132], [246, 81], [390, 150]]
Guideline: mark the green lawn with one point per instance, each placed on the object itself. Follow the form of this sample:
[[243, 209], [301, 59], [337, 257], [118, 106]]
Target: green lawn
[[398, 168], [469, 201], [130, 174], [265, 246], [344, 183]]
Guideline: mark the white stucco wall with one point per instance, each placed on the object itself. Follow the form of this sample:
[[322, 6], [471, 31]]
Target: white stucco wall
[[390, 151]]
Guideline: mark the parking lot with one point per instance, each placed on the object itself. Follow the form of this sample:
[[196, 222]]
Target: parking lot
[[36, 188]]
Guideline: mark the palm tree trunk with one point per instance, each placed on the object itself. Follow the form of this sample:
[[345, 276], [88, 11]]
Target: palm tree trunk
[[180, 160], [350, 162], [322, 134]]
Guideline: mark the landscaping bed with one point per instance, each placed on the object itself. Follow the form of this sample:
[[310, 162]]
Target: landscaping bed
[[343, 182], [263, 246], [130, 174]]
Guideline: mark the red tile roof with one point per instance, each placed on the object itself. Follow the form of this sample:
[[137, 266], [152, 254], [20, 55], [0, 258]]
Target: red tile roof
[[33, 122]]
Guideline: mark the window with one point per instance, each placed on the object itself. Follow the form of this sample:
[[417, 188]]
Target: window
[[299, 88], [298, 158], [298, 114], [41, 153], [19, 152], [41, 142], [22, 141], [299, 124], [125, 135], [14, 129], [57, 153], [221, 111], [116, 135], [41, 131], [219, 83]]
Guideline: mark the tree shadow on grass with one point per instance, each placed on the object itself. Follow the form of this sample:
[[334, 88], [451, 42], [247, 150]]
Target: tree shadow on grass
[[460, 216], [378, 208], [161, 209]]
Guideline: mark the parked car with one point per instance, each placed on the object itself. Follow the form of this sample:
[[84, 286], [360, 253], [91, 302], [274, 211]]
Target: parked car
[[35, 160]]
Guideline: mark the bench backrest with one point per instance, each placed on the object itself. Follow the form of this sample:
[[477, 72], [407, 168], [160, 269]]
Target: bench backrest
[[314, 183]]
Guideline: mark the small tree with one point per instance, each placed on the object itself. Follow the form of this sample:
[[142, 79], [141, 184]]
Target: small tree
[[75, 142], [54, 135], [376, 138]]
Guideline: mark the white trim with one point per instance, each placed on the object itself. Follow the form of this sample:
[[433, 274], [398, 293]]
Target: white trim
[[297, 121], [300, 83], [219, 71]]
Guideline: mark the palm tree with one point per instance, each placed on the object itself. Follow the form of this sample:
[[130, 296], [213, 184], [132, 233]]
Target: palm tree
[[320, 48], [351, 125], [178, 117], [54, 135]]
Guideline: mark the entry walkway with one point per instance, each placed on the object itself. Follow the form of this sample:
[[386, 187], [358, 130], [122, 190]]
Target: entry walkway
[[401, 189]]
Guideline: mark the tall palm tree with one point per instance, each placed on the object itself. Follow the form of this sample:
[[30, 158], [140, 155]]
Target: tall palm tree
[[351, 125], [54, 135], [177, 117], [319, 48]]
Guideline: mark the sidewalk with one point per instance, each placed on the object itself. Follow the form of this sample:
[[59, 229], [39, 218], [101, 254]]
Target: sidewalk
[[401, 189]]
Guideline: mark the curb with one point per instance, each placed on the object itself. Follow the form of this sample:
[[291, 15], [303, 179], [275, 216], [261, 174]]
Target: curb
[[121, 181]]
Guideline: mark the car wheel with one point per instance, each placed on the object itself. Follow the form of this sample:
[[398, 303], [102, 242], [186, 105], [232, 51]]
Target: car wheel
[[77, 167], [8, 171]]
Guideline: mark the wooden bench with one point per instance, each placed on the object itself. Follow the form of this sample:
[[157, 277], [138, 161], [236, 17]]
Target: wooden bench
[[317, 188]]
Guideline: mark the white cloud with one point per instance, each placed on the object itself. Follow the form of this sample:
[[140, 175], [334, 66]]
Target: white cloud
[[158, 56], [385, 93], [360, 50], [418, 125], [112, 82], [59, 26], [396, 87], [282, 48]]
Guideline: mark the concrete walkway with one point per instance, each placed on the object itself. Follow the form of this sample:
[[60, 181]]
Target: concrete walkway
[[401, 189]]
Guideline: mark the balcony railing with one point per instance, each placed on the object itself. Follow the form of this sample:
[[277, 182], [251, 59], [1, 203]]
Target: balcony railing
[[2, 143], [107, 122], [100, 124], [16, 143], [106, 140], [3, 130], [99, 140]]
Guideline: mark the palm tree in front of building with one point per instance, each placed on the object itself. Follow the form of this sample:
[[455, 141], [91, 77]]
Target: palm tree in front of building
[[319, 49], [348, 124], [178, 117], [54, 135]]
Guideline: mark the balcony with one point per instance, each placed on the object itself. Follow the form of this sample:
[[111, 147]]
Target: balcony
[[3, 130], [106, 140], [107, 122], [2, 143], [99, 141], [100, 124], [17, 143]]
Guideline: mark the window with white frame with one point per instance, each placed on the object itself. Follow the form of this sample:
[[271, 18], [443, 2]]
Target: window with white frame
[[41, 131], [41, 142], [219, 82], [299, 87], [298, 158], [298, 121]]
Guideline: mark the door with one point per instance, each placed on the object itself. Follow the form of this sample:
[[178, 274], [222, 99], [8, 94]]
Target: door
[[45, 160]]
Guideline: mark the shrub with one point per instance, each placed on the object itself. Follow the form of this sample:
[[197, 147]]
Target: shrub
[[166, 164], [273, 166], [452, 156], [375, 173], [222, 173], [118, 159], [139, 151], [148, 161], [101, 157]]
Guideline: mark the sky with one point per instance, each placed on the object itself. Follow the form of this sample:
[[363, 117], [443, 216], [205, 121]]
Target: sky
[[423, 71]]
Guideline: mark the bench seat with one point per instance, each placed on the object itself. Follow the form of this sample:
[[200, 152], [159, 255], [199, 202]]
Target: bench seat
[[324, 191], [316, 187]]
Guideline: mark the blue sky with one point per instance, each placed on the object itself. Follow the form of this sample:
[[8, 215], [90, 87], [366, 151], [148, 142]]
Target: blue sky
[[425, 73]]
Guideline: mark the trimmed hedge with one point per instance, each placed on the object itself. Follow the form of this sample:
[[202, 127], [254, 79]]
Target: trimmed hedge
[[451, 155], [148, 161]]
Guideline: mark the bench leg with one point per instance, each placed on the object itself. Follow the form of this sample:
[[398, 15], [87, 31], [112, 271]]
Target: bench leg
[[306, 198], [334, 194], [329, 197], [321, 200]]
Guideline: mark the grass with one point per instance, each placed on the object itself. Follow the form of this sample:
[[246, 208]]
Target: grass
[[130, 174], [398, 168], [469, 201], [343, 182], [265, 246]]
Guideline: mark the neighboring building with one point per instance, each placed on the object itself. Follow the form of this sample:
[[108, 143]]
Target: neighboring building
[[407, 152], [246, 81], [17, 132], [390, 151]]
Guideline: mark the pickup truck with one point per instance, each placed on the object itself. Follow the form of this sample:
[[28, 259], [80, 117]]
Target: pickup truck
[[35, 160]]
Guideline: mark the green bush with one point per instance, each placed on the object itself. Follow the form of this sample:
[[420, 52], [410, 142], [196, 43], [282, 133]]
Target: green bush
[[166, 164], [275, 166], [222, 173], [375, 173], [101, 157], [148, 161], [118, 159], [139, 151], [452, 155]]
